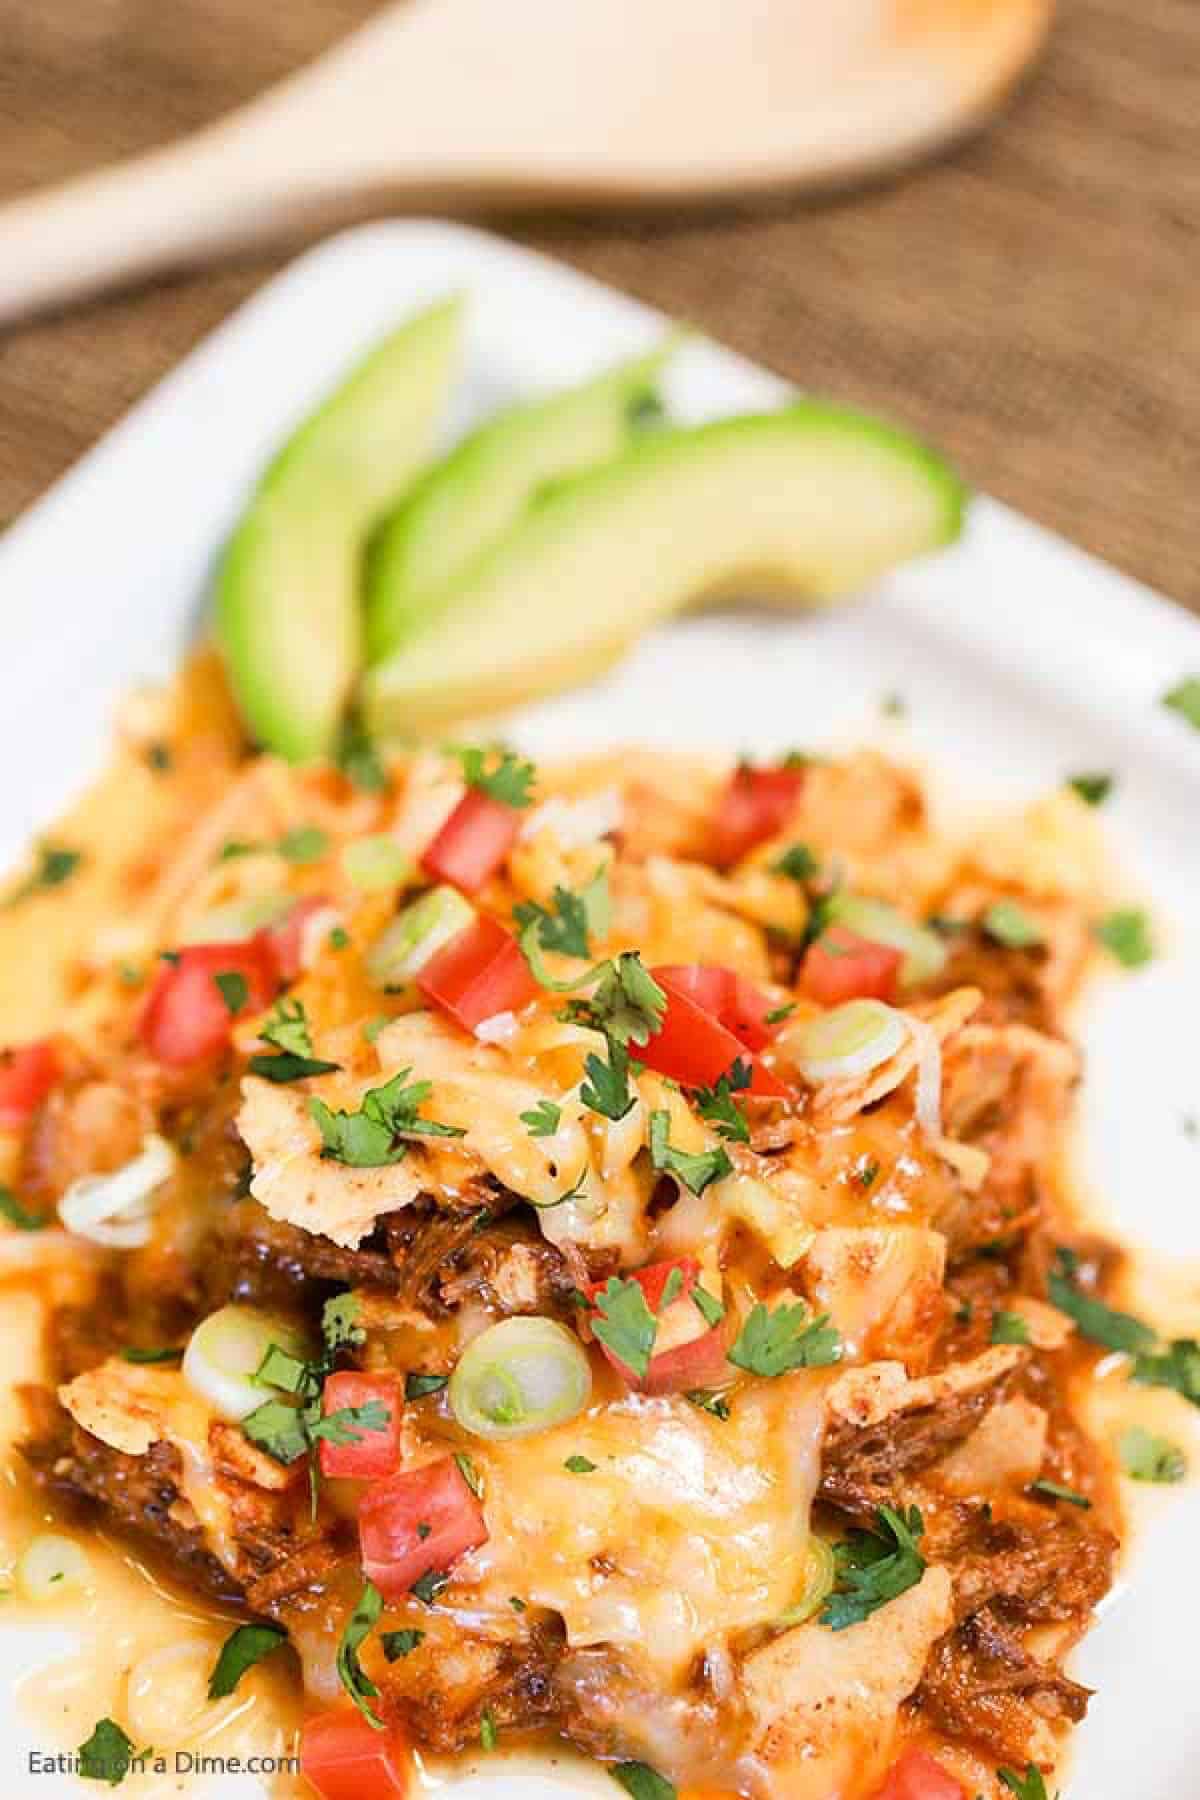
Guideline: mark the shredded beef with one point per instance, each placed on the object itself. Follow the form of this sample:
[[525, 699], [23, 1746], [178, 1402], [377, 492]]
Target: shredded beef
[[441, 1691], [138, 1494], [254, 1258], [981, 1684]]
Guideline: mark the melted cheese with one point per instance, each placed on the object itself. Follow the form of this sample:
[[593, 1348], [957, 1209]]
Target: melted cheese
[[689, 1527]]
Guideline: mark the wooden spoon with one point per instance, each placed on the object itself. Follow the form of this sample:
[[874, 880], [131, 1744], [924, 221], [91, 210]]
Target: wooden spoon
[[476, 104]]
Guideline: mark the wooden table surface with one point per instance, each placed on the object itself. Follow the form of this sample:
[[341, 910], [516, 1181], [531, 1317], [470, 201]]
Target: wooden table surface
[[1030, 302]]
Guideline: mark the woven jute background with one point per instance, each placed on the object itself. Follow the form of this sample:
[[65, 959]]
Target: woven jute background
[[1032, 302]]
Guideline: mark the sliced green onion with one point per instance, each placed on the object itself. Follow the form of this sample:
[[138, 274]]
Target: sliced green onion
[[521, 1376], [117, 1210], [238, 919], [225, 1352], [820, 1573], [924, 952], [51, 1567], [415, 934], [377, 862], [849, 1041]]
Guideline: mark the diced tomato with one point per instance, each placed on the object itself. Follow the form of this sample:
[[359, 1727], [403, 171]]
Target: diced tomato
[[473, 842], [27, 1074], [478, 974], [345, 1758], [843, 966], [694, 1048], [727, 995], [286, 939], [698, 1361], [918, 1777], [756, 805], [415, 1522], [376, 1452], [187, 1018]]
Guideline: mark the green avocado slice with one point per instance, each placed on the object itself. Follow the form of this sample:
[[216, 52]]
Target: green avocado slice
[[474, 494], [809, 502], [287, 599]]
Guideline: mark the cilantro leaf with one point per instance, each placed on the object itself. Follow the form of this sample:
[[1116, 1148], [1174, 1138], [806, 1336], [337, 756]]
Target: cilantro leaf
[[234, 990], [244, 1647], [134, 1353], [400, 1643], [696, 1170], [1009, 925], [367, 1139], [1184, 698], [625, 1325], [1054, 1490], [469, 1473], [579, 1465], [416, 1386], [357, 757], [567, 927], [427, 1587], [1098, 1322], [283, 1066], [543, 1119], [797, 861], [304, 844], [641, 1781], [507, 780], [1126, 933], [18, 1215], [1009, 1328], [54, 865], [349, 1424], [718, 1106], [606, 1090], [354, 1679], [340, 1322], [775, 1343], [708, 1401], [286, 1026], [1176, 1365], [279, 1429], [875, 1567], [627, 1004], [1029, 1786], [1146, 1457], [1093, 790], [707, 1305], [107, 1755]]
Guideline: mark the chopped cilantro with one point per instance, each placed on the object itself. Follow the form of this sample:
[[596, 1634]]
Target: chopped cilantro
[[1054, 1490], [695, 1170], [487, 1730], [18, 1215], [469, 1473], [1009, 1328], [606, 1090], [874, 1567], [1126, 933], [797, 861], [1175, 1365], [707, 1305], [357, 757], [625, 1325], [354, 1678], [579, 1465], [400, 1643], [866, 1173], [709, 1402], [641, 1781], [627, 1004], [107, 1755], [304, 844], [1093, 790], [517, 1604], [718, 1106], [282, 1066], [339, 938], [134, 1353], [55, 864], [780, 1013], [245, 1646], [542, 1120], [340, 1325], [1184, 698], [567, 928], [159, 758], [372, 1137], [1146, 1457], [1098, 1322], [349, 1424], [1011, 926], [416, 1386], [234, 990], [427, 1588], [774, 1343], [286, 1027], [1029, 1786], [507, 780]]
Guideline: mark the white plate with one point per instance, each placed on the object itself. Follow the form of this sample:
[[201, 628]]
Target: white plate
[[1021, 660]]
